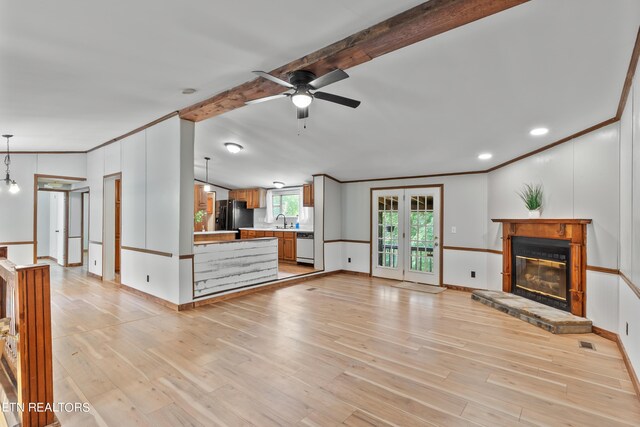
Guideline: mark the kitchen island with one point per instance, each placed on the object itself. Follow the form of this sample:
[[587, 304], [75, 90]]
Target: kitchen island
[[214, 236], [222, 266]]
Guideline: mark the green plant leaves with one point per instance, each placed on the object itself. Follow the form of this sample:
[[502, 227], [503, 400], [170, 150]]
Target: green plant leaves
[[531, 195]]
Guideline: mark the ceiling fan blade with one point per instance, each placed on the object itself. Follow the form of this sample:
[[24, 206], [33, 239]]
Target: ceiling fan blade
[[347, 102], [303, 113], [329, 78], [267, 98], [274, 79]]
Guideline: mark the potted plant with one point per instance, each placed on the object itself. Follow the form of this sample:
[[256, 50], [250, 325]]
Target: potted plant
[[531, 195], [199, 217]]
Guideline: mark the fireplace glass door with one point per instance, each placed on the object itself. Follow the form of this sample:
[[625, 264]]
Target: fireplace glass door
[[541, 270], [542, 276]]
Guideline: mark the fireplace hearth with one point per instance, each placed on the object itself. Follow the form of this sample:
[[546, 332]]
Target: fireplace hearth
[[545, 260], [541, 271]]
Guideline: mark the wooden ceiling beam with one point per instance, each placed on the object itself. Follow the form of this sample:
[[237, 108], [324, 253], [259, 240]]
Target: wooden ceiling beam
[[416, 24]]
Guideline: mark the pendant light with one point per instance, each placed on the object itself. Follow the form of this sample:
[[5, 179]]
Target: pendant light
[[207, 186], [11, 183]]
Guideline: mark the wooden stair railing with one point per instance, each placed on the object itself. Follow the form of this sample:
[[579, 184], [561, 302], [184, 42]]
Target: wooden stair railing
[[25, 301]]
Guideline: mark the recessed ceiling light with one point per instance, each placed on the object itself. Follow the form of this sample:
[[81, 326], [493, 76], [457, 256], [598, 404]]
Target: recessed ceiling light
[[485, 156], [278, 184], [539, 131], [188, 91], [233, 147]]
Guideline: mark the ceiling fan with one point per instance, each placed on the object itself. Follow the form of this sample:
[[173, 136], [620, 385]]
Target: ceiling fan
[[302, 83]]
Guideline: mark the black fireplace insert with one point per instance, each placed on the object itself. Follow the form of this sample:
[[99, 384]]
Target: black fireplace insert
[[541, 270]]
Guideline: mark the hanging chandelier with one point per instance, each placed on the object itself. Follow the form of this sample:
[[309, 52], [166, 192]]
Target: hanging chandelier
[[11, 183]]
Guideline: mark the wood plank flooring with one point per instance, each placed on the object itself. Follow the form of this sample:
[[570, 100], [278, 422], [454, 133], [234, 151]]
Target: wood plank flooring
[[339, 350]]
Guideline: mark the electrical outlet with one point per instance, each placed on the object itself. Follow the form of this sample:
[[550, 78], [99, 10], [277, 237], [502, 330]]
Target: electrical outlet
[[627, 329], [348, 259], [454, 230], [473, 274], [147, 278]]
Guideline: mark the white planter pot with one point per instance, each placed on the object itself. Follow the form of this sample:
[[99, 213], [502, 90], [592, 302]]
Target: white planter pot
[[534, 214]]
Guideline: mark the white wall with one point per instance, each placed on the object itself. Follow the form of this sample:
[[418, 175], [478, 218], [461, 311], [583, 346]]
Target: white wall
[[17, 209], [85, 221], [465, 208], [75, 228], [318, 220], [157, 208], [580, 180], [628, 301], [44, 228]]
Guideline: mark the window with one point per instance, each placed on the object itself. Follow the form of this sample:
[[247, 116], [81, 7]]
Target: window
[[287, 204]]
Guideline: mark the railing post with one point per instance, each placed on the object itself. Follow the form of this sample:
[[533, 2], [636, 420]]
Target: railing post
[[35, 367]]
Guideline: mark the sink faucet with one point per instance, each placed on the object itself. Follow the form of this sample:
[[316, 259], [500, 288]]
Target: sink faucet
[[284, 218]]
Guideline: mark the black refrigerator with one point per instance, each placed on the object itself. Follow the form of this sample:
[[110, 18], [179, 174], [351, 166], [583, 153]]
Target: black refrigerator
[[233, 215]]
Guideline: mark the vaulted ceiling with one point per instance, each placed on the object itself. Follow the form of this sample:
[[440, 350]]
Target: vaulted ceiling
[[75, 74]]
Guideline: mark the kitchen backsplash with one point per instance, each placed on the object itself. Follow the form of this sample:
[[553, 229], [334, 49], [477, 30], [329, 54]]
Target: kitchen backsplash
[[260, 214]]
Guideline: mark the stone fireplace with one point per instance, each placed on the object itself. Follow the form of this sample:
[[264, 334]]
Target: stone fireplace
[[545, 260]]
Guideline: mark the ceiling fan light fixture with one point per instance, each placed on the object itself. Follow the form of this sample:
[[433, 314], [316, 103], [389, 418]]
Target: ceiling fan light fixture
[[301, 99], [232, 147], [278, 184]]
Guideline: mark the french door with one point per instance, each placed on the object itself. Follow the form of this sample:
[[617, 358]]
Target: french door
[[406, 233]]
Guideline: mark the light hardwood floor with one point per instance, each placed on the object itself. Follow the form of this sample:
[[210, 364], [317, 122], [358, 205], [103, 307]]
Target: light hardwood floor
[[336, 350], [289, 270]]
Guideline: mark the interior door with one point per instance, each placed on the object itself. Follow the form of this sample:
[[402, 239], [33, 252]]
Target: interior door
[[405, 232], [388, 222], [61, 228], [422, 234], [117, 228]]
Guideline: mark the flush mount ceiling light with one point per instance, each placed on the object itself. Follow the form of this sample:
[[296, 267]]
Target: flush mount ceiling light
[[485, 156], [539, 131], [278, 184], [188, 91], [11, 183], [233, 147], [207, 186]]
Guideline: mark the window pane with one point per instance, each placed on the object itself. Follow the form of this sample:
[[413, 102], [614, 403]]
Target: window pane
[[288, 204]]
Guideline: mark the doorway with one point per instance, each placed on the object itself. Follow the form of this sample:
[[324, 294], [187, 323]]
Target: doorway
[[406, 225], [111, 223], [58, 219]]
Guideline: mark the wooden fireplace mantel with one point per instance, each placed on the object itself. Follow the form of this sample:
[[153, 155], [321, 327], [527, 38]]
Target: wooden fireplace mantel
[[573, 230], [543, 221]]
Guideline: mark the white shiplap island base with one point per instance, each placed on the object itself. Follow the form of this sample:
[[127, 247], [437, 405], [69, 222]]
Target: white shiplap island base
[[227, 265]]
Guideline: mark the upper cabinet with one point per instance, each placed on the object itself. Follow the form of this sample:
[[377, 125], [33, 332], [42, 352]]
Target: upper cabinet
[[255, 197], [199, 198], [307, 195]]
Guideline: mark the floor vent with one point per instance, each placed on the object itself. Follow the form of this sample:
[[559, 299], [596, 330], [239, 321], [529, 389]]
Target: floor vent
[[587, 345], [311, 289]]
